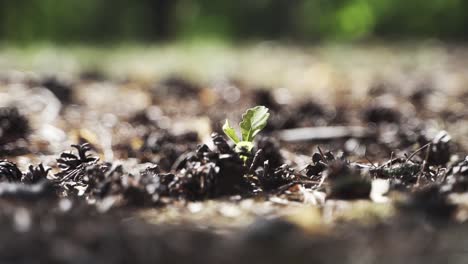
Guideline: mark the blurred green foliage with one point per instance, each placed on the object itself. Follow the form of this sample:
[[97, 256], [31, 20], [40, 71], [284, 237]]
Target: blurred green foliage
[[25, 21]]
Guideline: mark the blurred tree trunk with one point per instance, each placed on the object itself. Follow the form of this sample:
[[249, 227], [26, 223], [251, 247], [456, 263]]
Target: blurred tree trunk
[[161, 19]]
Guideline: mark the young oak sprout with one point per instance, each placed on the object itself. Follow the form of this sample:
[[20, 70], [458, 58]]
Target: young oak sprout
[[253, 121]]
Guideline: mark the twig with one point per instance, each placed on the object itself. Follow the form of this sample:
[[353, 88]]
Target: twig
[[426, 158], [417, 151], [444, 177], [371, 163], [289, 185], [324, 133], [423, 167], [321, 154], [391, 164]]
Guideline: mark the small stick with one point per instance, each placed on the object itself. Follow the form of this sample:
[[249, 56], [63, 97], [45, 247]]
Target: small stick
[[391, 158], [444, 177], [324, 133], [417, 151], [371, 163], [321, 154], [426, 158], [305, 167], [423, 167], [390, 162], [289, 185]]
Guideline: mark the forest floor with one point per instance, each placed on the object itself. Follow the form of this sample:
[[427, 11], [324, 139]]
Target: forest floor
[[118, 155]]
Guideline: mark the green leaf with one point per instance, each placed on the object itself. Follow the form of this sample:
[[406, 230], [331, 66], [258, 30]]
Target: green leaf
[[230, 132], [253, 121]]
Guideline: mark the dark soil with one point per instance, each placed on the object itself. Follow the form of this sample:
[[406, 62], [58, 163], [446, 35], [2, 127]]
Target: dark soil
[[77, 188]]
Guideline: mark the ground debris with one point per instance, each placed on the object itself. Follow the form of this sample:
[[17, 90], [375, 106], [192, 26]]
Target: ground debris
[[389, 159], [60, 88], [440, 149], [346, 182], [13, 125], [164, 148], [430, 203], [14, 130], [9, 172]]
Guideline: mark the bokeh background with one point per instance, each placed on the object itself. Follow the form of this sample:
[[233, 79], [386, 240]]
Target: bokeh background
[[110, 21]]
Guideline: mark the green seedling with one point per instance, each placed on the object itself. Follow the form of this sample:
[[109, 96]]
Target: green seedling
[[253, 121]]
